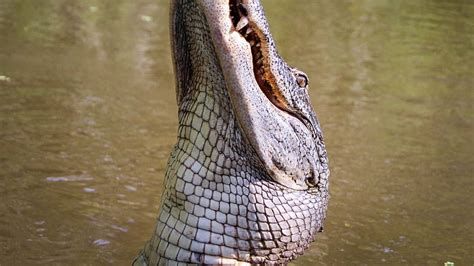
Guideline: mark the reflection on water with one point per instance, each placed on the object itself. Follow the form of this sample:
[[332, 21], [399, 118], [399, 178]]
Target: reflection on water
[[88, 117]]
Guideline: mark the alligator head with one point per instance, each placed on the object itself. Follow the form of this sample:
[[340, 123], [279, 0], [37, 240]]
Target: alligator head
[[247, 181], [269, 98]]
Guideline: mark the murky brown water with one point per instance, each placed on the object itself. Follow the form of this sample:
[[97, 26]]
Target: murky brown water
[[88, 117]]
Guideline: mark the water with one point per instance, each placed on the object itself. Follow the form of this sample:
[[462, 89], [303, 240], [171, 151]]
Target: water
[[88, 118]]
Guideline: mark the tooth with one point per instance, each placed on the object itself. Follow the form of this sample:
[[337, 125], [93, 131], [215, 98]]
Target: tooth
[[242, 23]]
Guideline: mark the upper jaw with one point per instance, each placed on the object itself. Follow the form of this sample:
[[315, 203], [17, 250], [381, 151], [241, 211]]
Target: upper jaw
[[276, 120]]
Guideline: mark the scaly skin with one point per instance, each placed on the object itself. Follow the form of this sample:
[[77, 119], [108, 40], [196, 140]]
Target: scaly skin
[[247, 180]]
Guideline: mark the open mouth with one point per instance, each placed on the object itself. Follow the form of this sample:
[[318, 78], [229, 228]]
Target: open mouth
[[260, 58], [260, 53]]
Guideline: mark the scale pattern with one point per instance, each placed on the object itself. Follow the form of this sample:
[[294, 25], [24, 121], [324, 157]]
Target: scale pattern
[[219, 206]]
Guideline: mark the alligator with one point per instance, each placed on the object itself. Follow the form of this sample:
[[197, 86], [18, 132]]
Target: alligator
[[247, 181]]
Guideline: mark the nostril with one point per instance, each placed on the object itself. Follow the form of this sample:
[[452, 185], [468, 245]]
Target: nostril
[[234, 12], [243, 9]]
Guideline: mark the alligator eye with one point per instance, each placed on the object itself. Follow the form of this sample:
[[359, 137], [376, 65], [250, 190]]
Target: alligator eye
[[301, 77], [302, 80]]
